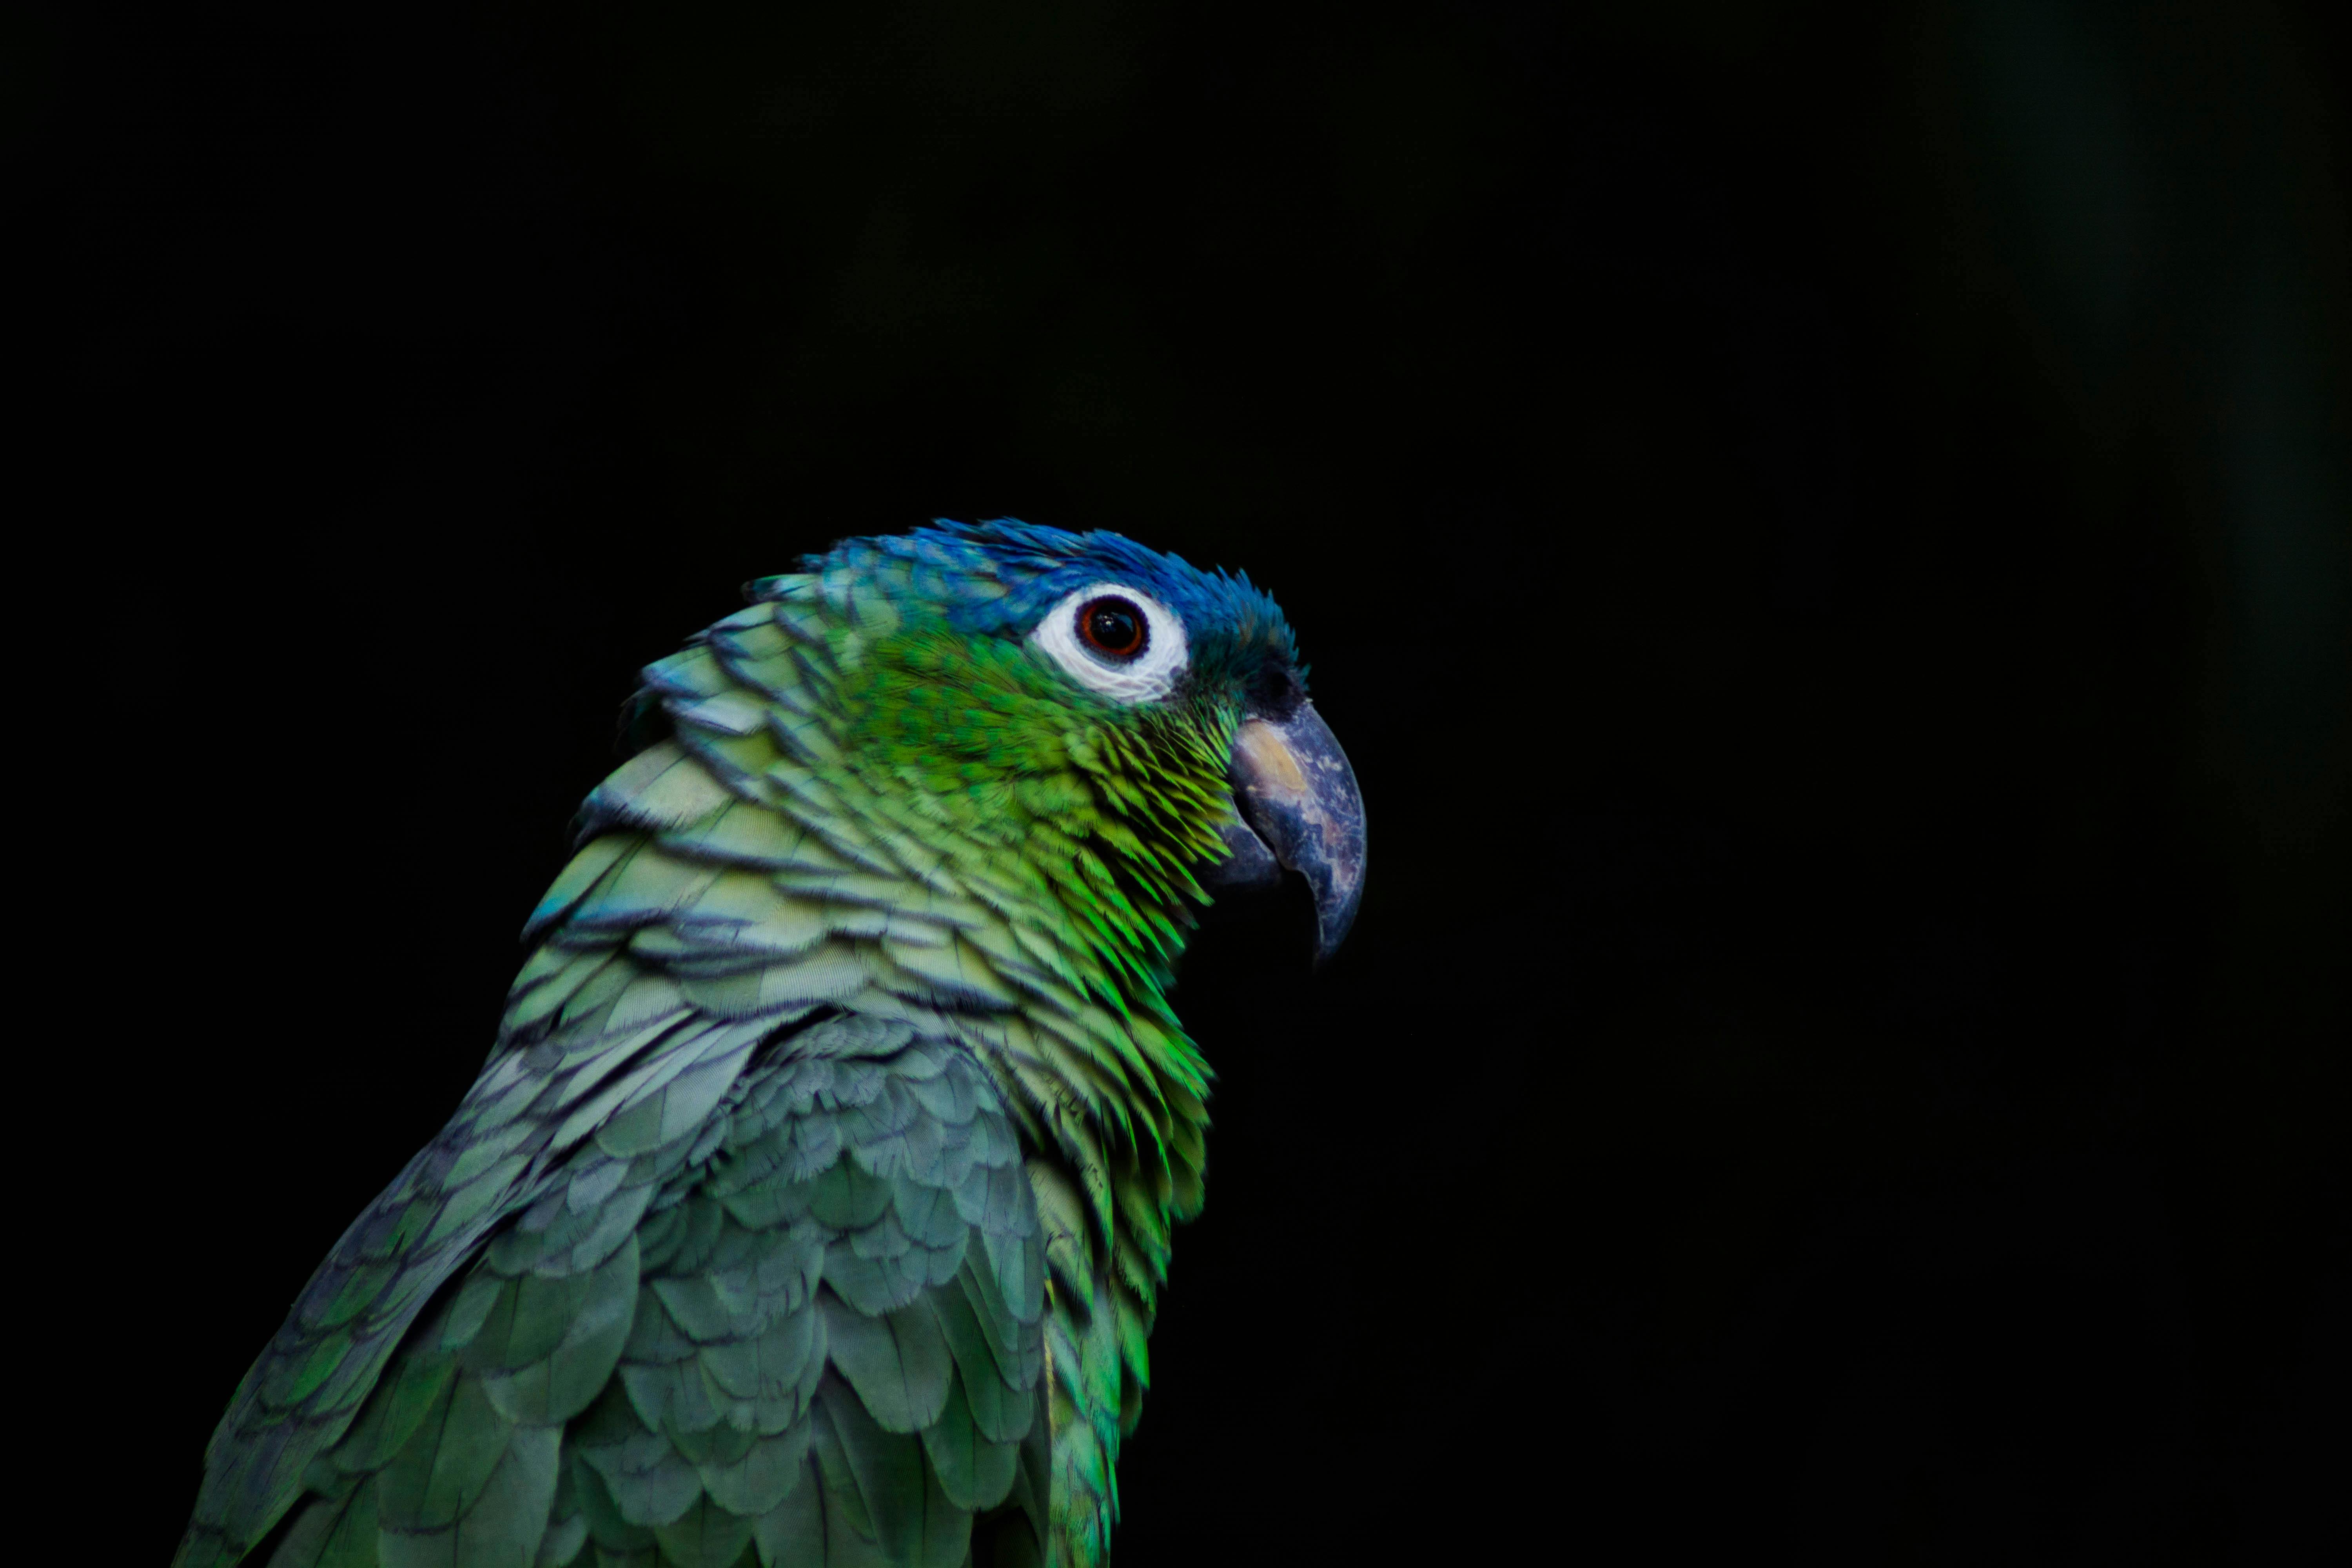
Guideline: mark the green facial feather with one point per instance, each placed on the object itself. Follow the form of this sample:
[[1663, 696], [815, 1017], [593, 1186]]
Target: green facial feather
[[814, 1201]]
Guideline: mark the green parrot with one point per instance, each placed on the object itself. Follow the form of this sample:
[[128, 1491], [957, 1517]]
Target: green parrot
[[814, 1202]]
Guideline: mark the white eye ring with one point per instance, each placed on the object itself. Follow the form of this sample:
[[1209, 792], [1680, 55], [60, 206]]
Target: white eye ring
[[1151, 673]]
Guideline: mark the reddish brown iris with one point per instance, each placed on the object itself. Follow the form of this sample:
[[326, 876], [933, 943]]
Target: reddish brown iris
[[1113, 626]]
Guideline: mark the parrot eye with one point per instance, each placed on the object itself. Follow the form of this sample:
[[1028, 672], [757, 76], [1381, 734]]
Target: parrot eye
[[1113, 627], [1117, 640]]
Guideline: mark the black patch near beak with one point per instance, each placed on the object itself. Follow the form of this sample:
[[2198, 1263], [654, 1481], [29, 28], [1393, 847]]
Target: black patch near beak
[[1298, 807]]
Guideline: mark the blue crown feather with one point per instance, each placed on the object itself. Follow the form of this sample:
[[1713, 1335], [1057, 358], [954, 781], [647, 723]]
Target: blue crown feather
[[998, 576]]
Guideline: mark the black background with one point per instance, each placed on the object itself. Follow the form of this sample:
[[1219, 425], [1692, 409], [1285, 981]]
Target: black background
[[1823, 530]]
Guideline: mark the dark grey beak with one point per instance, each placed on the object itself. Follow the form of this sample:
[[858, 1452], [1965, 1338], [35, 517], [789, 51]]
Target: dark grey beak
[[1299, 808]]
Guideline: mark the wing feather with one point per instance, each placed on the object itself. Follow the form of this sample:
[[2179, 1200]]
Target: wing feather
[[730, 1249]]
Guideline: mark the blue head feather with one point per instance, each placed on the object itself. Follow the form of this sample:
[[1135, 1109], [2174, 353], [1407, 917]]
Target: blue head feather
[[1000, 577]]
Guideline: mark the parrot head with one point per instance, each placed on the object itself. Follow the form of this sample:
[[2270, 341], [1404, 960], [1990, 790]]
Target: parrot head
[[1135, 721]]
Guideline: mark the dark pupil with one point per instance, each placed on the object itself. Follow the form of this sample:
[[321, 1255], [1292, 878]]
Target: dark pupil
[[1113, 626]]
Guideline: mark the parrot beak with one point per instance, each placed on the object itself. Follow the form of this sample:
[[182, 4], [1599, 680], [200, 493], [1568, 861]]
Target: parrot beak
[[1298, 807]]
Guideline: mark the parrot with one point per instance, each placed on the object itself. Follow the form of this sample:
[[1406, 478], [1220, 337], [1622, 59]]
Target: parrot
[[814, 1202]]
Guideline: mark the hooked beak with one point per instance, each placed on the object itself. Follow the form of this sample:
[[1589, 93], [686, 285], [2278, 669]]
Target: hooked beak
[[1298, 807]]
